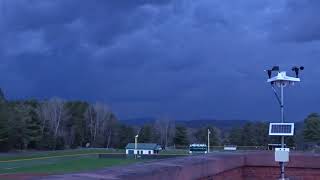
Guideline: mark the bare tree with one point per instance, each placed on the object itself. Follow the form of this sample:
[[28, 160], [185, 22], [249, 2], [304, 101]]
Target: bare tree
[[52, 113], [90, 116], [164, 126], [100, 121], [109, 126], [43, 113], [56, 114]]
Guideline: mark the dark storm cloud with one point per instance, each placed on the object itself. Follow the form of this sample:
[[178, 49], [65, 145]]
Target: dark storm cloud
[[184, 58], [299, 22]]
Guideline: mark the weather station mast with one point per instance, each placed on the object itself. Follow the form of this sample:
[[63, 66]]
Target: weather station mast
[[280, 81]]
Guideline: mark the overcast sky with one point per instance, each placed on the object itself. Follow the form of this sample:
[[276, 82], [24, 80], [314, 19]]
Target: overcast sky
[[185, 59]]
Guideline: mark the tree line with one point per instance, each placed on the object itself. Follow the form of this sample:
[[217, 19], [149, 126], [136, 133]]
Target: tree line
[[56, 124], [306, 135]]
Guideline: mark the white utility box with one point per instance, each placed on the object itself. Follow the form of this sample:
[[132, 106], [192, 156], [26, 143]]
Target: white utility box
[[282, 155]]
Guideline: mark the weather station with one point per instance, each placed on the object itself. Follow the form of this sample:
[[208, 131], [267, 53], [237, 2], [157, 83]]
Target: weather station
[[282, 129]]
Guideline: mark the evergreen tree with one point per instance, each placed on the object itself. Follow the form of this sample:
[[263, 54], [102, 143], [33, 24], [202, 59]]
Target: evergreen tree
[[18, 132], [47, 139], [248, 138], [2, 97], [146, 134], [77, 132], [311, 130], [290, 141], [201, 135], [251, 134], [33, 125], [4, 129], [235, 137], [181, 136], [25, 130], [124, 134], [261, 134]]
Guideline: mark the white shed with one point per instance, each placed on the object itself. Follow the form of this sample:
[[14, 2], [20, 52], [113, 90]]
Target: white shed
[[143, 149]]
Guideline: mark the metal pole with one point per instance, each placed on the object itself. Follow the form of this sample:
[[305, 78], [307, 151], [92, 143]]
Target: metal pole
[[135, 142], [136, 146], [208, 140], [282, 111], [282, 120], [282, 103]]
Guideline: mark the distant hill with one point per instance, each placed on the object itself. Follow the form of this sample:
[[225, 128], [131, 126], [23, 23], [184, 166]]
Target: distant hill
[[221, 124], [224, 125], [138, 121]]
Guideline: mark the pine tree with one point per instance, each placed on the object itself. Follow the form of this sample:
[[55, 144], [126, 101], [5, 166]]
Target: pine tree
[[17, 123], [146, 134], [76, 124], [235, 137], [124, 134], [311, 130], [2, 97], [181, 136], [261, 134], [248, 131], [201, 135], [25, 131], [4, 129], [251, 134], [33, 125]]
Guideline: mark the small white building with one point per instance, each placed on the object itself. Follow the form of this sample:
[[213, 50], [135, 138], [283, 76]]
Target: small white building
[[230, 147], [198, 148], [143, 149]]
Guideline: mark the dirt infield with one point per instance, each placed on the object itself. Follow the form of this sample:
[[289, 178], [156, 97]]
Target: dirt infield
[[21, 176]]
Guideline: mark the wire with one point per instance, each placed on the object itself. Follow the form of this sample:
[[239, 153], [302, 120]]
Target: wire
[[276, 94]]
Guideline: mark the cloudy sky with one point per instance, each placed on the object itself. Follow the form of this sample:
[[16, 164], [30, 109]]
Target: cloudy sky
[[185, 59]]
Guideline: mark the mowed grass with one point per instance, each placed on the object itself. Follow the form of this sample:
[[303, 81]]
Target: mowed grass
[[48, 154], [175, 152], [59, 165], [57, 162], [60, 162]]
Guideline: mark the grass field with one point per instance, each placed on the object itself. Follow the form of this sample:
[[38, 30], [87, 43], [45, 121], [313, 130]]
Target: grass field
[[49, 154], [174, 152], [59, 162], [62, 165]]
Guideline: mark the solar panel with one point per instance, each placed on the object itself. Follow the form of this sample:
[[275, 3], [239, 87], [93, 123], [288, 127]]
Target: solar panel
[[281, 129]]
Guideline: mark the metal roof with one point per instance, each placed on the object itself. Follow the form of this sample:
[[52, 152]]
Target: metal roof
[[146, 146]]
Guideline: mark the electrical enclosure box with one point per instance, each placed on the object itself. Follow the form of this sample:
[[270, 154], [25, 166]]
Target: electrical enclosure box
[[282, 154]]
